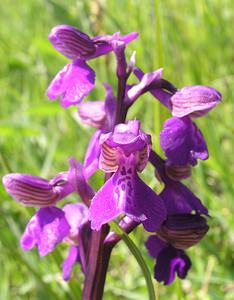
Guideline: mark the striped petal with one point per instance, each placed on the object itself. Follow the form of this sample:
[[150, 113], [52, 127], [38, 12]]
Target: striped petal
[[72, 83], [71, 42]]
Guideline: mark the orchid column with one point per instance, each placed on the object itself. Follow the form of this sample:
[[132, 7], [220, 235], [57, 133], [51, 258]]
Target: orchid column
[[176, 218]]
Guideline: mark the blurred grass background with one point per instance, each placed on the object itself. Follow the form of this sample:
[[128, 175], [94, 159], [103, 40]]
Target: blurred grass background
[[194, 42]]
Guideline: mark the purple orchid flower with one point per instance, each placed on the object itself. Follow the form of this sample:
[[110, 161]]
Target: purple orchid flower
[[51, 226], [177, 198], [183, 230], [177, 233], [126, 151], [47, 228], [182, 142], [192, 101], [170, 261], [76, 79], [36, 191], [184, 227]]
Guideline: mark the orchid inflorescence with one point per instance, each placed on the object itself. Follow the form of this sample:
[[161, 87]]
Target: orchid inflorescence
[[176, 218]]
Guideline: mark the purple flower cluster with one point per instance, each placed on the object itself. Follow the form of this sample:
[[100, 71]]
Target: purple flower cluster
[[121, 149]]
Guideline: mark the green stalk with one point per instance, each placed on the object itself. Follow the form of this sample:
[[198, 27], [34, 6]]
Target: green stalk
[[139, 258]]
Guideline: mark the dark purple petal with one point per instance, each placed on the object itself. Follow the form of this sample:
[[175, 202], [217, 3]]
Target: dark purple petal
[[72, 258], [84, 237], [92, 155], [72, 83], [71, 42], [183, 230], [182, 142], [179, 199], [194, 101], [176, 172], [154, 245], [142, 204], [46, 229], [171, 261]]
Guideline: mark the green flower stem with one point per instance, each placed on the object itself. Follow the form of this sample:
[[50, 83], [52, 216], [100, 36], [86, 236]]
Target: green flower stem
[[137, 254]]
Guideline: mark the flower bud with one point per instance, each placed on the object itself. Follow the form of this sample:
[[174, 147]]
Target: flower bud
[[194, 101], [71, 42], [183, 230]]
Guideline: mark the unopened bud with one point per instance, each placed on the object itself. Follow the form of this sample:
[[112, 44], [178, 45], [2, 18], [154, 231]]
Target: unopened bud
[[132, 62]]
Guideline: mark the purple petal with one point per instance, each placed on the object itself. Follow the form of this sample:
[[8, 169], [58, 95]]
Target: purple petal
[[110, 106], [30, 190], [145, 84], [92, 113], [125, 193], [71, 42], [46, 229], [31, 235], [176, 172], [162, 95], [126, 143], [77, 178], [194, 101], [171, 261], [179, 199], [183, 230], [84, 237], [72, 83], [182, 142], [92, 155], [128, 137], [76, 214], [72, 258], [142, 204], [154, 245], [105, 205], [104, 44]]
